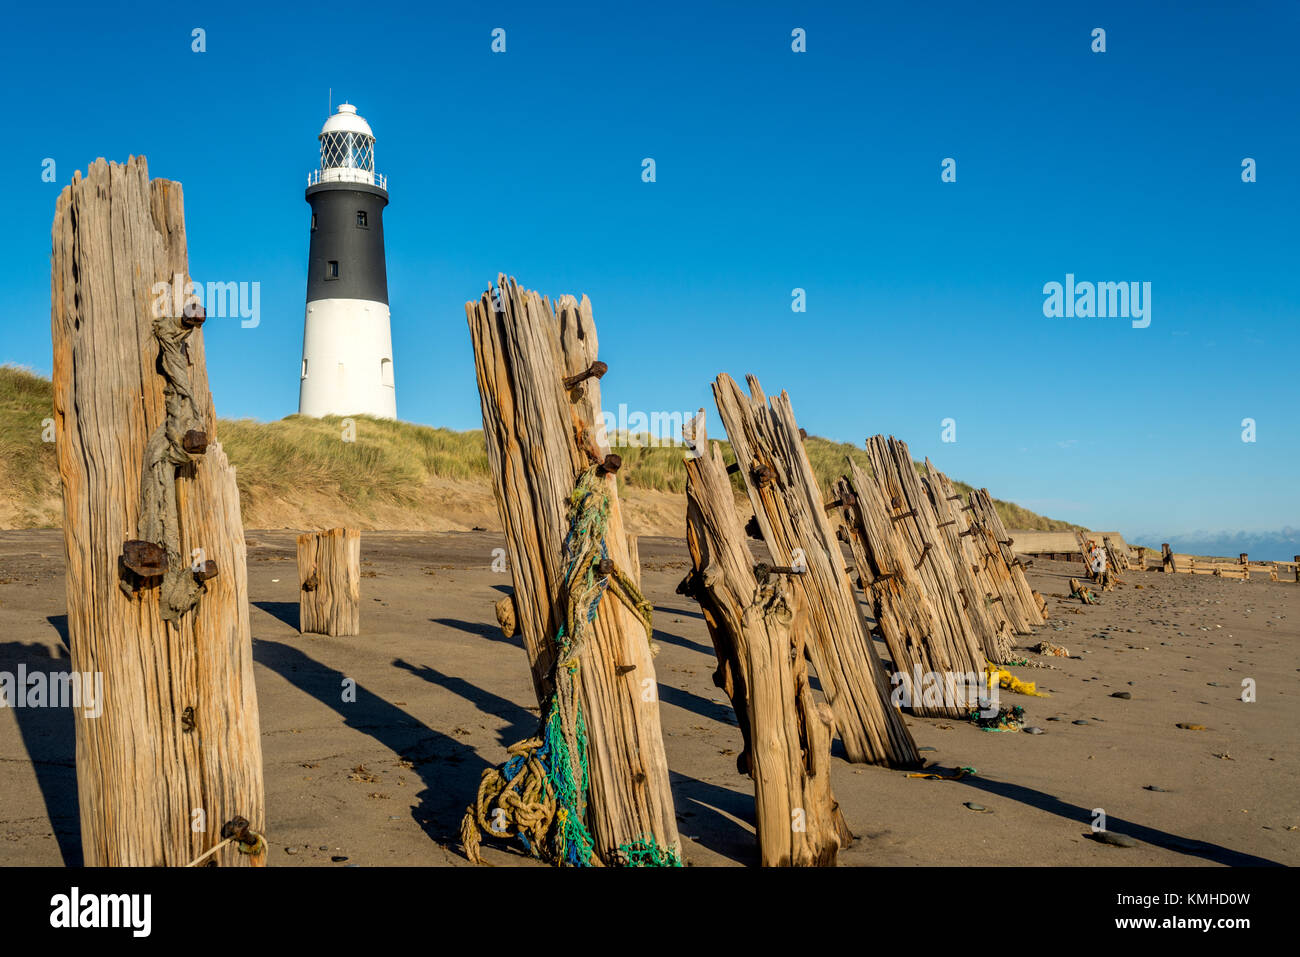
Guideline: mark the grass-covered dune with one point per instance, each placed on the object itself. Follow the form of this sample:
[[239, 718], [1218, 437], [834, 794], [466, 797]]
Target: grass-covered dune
[[300, 473]]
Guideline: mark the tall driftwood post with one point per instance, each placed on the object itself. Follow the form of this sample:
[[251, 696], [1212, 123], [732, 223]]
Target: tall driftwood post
[[157, 586], [329, 582], [538, 379], [761, 663], [1167, 563], [791, 515]]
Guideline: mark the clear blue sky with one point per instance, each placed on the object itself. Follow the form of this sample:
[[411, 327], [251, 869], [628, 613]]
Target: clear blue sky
[[775, 170]]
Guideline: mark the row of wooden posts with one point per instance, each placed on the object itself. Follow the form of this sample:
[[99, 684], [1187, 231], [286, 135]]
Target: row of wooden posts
[[171, 772], [938, 575], [1170, 562]]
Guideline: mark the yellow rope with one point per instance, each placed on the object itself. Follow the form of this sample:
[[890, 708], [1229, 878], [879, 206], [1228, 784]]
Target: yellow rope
[[1006, 679]]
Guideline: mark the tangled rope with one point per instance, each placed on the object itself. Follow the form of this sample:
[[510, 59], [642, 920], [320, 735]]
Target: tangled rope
[[164, 453], [540, 794], [1005, 679]]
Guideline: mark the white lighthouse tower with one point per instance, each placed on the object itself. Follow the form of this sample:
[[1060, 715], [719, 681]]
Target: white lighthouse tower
[[347, 348]]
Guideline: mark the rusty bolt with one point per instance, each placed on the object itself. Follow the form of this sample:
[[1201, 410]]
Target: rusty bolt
[[844, 499], [194, 316], [925, 551], [312, 583], [899, 518], [237, 828], [763, 571], [896, 502], [195, 442], [595, 370], [611, 464], [764, 475], [605, 566], [209, 570], [146, 559]]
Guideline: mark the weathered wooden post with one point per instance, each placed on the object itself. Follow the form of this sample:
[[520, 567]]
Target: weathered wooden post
[[157, 586], [975, 544], [1167, 559], [538, 378], [761, 666], [936, 671], [987, 513], [1142, 557], [792, 518], [329, 582], [1297, 569], [949, 581]]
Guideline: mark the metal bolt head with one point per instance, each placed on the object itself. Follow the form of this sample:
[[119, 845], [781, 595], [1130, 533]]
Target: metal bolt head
[[195, 442], [146, 559]]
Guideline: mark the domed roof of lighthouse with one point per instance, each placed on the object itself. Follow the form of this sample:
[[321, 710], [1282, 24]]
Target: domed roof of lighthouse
[[347, 151], [347, 120]]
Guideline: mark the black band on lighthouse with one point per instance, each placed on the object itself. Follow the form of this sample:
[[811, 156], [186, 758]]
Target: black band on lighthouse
[[346, 260]]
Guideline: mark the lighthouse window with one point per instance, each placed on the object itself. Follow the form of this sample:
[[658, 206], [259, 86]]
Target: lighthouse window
[[361, 219], [332, 270], [313, 222]]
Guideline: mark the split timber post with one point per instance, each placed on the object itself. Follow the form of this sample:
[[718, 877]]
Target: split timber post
[[1141, 557], [948, 580], [919, 641], [791, 516], [538, 379], [1119, 561], [329, 582], [988, 514], [761, 666], [1167, 559], [157, 584], [969, 546], [1297, 569], [1017, 598]]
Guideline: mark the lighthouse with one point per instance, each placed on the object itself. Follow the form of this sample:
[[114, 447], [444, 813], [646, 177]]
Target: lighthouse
[[347, 348]]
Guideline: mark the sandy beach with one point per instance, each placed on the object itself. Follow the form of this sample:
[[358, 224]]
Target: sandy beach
[[441, 694]]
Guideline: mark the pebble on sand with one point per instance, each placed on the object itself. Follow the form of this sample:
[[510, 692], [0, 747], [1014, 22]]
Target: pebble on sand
[[1121, 694], [1113, 839]]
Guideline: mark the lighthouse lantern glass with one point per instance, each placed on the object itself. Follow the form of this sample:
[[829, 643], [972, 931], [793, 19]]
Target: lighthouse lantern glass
[[347, 150]]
